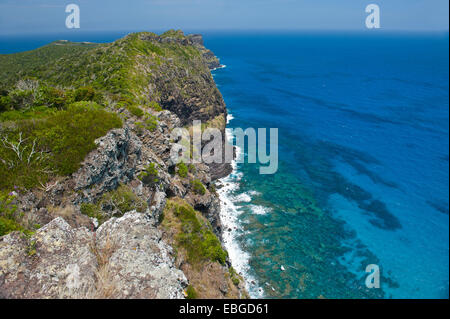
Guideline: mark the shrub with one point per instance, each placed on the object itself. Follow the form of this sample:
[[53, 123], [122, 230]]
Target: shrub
[[198, 187], [139, 126], [70, 134], [135, 110], [192, 168], [234, 276], [191, 293], [86, 93], [150, 175], [182, 170], [155, 106], [54, 145], [124, 200], [51, 97], [37, 112], [195, 234], [5, 103], [8, 225], [21, 99], [94, 211], [151, 122], [9, 215]]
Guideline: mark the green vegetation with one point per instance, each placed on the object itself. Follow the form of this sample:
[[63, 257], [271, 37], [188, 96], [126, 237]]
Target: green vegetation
[[198, 187], [32, 150], [151, 122], [8, 225], [113, 68], [182, 170], [150, 175], [94, 211], [120, 201], [234, 276], [10, 217], [86, 93], [124, 200], [192, 168], [191, 293], [37, 112], [155, 106], [193, 233], [19, 65], [135, 110]]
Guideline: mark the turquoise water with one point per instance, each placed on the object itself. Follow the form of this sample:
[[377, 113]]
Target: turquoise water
[[363, 160], [363, 174]]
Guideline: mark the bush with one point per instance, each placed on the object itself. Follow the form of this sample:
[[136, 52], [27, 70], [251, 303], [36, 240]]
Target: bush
[[135, 110], [198, 187], [155, 106], [37, 112], [60, 143], [191, 293], [9, 215], [234, 276], [124, 200], [182, 170], [150, 176], [70, 134], [93, 211], [21, 99], [195, 234], [8, 225], [86, 93], [151, 122], [50, 97], [5, 103]]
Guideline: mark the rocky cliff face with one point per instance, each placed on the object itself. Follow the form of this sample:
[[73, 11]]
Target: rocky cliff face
[[107, 231]]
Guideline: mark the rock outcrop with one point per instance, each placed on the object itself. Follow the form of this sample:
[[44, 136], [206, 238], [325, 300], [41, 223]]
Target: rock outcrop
[[101, 234], [124, 258]]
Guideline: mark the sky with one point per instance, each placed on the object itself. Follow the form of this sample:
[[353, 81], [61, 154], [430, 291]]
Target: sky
[[44, 16]]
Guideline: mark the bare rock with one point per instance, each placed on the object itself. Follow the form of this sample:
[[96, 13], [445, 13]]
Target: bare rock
[[126, 258], [113, 162], [140, 263]]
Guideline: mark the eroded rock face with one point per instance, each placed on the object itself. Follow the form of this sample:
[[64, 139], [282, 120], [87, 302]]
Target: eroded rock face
[[140, 263], [55, 259], [125, 258], [113, 162]]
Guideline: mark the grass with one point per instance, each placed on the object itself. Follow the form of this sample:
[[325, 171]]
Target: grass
[[198, 187], [182, 170], [11, 219], [120, 201], [193, 233], [191, 293], [135, 110], [32, 150], [150, 175]]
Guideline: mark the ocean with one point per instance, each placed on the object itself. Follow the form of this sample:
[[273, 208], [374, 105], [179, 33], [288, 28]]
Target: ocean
[[363, 175]]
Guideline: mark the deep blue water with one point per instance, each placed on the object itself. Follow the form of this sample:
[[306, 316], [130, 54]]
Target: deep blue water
[[364, 133], [363, 160]]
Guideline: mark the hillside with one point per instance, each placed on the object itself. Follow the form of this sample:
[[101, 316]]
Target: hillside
[[84, 156]]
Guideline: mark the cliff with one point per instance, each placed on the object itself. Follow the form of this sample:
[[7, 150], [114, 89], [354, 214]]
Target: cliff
[[91, 206]]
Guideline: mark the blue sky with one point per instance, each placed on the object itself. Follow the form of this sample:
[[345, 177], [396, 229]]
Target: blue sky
[[35, 16]]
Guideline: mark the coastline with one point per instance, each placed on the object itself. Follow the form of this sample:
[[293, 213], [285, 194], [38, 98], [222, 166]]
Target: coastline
[[229, 213]]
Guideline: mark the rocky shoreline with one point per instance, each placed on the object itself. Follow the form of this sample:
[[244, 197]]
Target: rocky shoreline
[[116, 228]]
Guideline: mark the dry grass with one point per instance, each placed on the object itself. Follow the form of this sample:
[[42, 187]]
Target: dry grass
[[105, 285]]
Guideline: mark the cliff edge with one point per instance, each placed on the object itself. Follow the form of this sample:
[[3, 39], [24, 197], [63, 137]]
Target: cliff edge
[[91, 205]]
